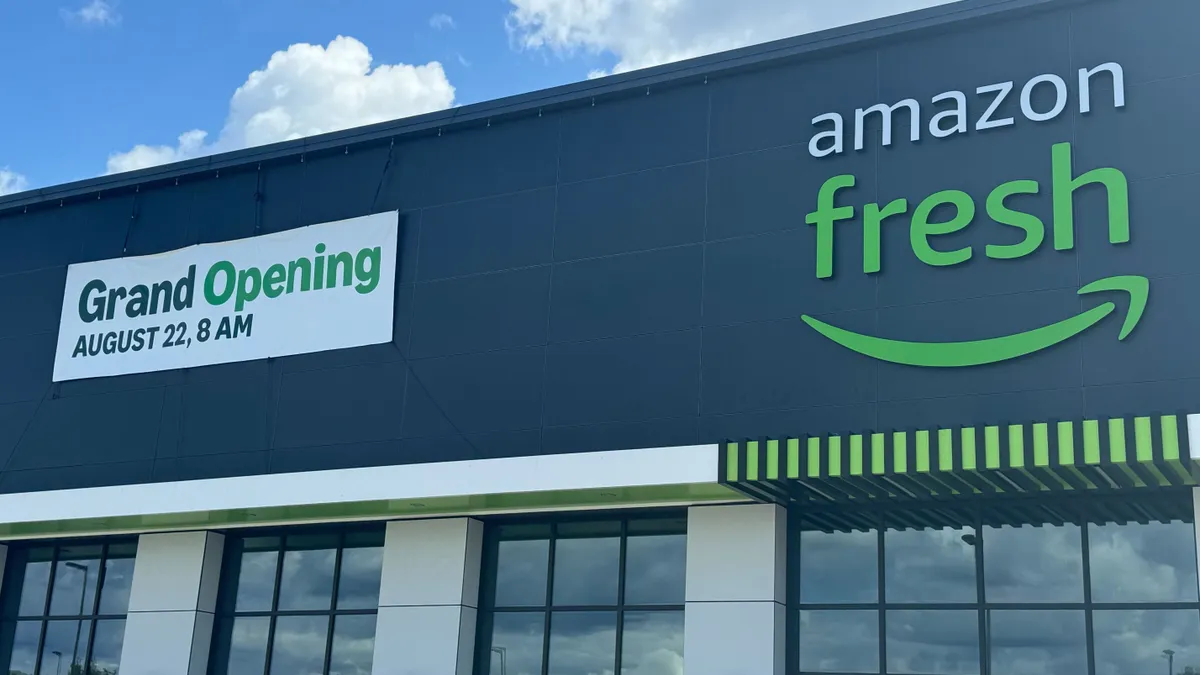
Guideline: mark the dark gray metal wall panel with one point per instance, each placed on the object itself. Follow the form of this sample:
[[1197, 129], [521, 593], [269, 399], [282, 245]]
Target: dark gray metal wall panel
[[223, 206], [510, 231], [472, 163], [780, 365], [634, 133], [27, 364], [772, 190], [622, 380], [631, 212], [630, 294], [340, 406], [480, 313], [477, 393], [90, 430], [23, 301], [634, 273], [948, 412], [772, 107], [771, 276]]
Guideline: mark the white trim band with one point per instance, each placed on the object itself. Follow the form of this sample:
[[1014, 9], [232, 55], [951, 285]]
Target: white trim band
[[688, 465]]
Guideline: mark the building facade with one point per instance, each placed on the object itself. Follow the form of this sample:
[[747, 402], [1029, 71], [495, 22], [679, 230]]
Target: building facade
[[869, 351]]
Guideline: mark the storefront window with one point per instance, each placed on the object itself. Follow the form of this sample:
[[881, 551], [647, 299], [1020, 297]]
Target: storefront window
[[1111, 599], [299, 603], [584, 597], [63, 608]]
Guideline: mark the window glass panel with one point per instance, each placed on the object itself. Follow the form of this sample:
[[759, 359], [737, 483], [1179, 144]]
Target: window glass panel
[[517, 643], [933, 642], [307, 582], [65, 643], [256, 581], [36, 582], [839, 641], [652, 643], [1033, 564], [106, 647], [583, 643], [1131, 642], [75, 578], [521, 569], [1037, 642], [1154, 562], [118, 579], [358, 587], [840, 567], [24, 649], [586, 571], [655, 567], [929, 565], [353, 645], [299, 645], [248, 646]]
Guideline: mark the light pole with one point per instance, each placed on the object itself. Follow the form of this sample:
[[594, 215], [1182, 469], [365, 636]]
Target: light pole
[[58, 666], [1169, 655], [79, 622], [503, 652]]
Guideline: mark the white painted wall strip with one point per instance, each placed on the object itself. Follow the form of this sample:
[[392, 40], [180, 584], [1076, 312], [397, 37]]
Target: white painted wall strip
[[580, 471]]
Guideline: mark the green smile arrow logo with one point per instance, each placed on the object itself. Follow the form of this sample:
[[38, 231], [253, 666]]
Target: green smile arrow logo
[[993, 350]]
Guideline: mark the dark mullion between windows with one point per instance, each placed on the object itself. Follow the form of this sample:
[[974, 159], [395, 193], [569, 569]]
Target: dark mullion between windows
[[881, 591], [337, 580], [1085, 544], [621, 593], [549, 601], [274, 603], [100, 574], [37, 657]]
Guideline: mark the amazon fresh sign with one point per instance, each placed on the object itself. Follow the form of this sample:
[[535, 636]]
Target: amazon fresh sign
[[311, 289], [924, 230]]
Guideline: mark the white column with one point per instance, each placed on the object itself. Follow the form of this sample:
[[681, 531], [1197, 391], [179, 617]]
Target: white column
[[735, 614], [428, 599], [171, 605]]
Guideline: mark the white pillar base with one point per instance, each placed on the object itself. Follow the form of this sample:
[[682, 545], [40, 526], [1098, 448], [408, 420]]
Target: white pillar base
[[428, 597], [170, 624], [735, 614]]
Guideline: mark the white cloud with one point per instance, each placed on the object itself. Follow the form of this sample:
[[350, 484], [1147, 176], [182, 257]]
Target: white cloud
[[441, 21], [12, 182], [95, 13], [644, 33], [306, 90]]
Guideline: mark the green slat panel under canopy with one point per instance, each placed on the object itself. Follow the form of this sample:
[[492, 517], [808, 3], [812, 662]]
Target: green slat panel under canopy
[[1074, 457]]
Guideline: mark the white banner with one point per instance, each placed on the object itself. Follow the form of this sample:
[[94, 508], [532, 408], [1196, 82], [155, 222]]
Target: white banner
[[312, 289]]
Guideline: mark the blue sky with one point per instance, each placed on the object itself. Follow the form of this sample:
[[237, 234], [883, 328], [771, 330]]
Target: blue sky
[[90, 78]]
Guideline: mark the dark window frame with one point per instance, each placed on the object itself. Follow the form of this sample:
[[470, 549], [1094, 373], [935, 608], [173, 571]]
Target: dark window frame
[[552, 523], [226, 610], [10, 593], [981, 606]]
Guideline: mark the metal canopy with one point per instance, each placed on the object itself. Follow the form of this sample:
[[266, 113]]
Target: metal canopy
[[1020, 472]]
